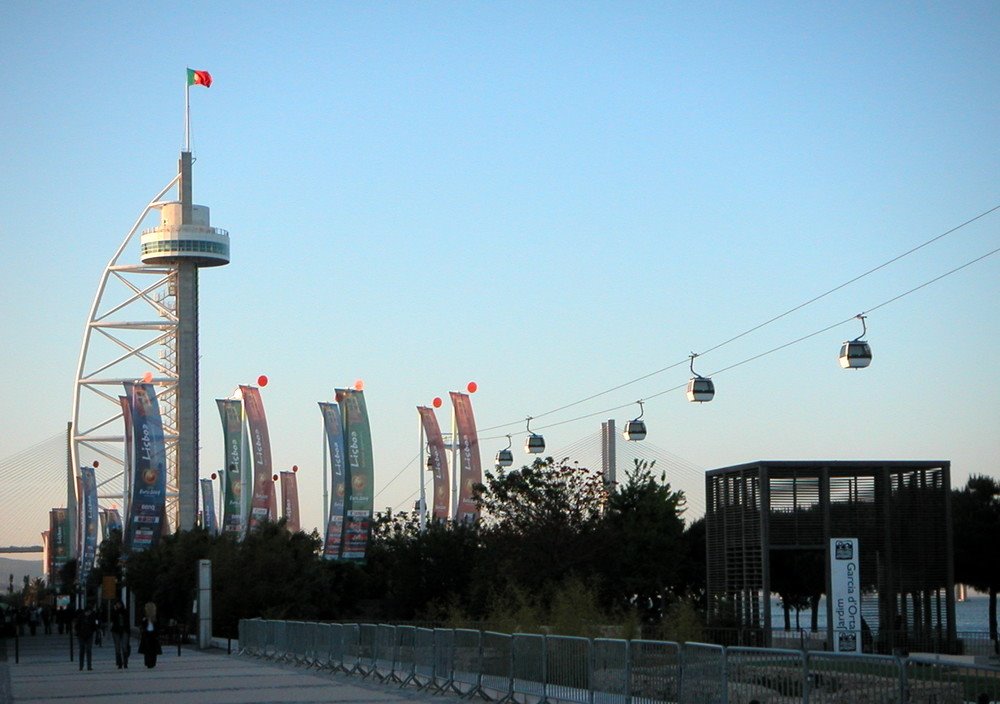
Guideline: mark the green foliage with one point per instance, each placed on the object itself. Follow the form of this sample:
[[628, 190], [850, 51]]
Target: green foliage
[[975, 511], [642, 544], [554, 552], [682, 623]]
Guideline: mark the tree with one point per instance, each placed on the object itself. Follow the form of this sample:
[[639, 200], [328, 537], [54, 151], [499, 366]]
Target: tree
[[539, 527], [975, 511], [641, 538]]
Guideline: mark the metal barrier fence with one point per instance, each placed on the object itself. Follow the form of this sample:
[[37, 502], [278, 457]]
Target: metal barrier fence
[[543, 668]]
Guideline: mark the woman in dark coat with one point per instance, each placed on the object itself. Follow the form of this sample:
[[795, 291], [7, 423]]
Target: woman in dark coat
[[149, 636]]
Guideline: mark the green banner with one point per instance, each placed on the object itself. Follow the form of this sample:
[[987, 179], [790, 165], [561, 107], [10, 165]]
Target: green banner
[[231, 411], [360, 494]]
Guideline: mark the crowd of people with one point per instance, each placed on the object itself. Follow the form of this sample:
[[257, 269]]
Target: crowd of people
[[89, 628]]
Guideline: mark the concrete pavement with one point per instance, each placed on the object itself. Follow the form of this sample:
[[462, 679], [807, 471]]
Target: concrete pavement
[[45, 675]]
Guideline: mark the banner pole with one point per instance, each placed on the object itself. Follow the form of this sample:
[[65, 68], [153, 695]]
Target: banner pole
[[420, 474], [326, 495], [454, 461]]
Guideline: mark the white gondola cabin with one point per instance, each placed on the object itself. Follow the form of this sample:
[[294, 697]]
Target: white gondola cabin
[[535, 444], [856, 353], [504, 458], [700, 389], [635, 429]]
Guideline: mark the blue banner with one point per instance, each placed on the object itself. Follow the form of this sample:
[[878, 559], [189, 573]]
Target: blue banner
[[149, 483]]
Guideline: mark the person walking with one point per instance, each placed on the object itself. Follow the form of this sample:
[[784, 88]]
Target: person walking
[[149, 636], [121, 634], [84, 627]]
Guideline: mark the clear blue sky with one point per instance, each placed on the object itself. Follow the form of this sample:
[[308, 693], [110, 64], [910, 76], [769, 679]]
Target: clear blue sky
[[550, 199]]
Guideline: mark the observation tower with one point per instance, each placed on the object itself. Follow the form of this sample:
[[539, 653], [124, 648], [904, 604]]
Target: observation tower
[[143, 325], [184, 241]]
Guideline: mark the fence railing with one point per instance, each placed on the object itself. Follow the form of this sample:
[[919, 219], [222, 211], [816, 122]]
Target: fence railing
[[546, 668]]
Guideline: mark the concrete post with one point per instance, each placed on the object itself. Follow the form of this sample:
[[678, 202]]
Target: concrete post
[[204, 604]]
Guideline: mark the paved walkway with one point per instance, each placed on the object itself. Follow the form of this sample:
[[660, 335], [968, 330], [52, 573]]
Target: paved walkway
[[46, 675]]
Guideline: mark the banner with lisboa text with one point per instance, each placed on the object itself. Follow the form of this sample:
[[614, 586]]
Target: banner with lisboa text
[[468, 457], [58, 544], [88, 521], [290, 501], [208, 520], [437, 462], [147, 510], [231, 412], [334, 427], [260, 450], [360, 479]]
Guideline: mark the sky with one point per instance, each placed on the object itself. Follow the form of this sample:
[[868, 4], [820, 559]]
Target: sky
[[550, 199]]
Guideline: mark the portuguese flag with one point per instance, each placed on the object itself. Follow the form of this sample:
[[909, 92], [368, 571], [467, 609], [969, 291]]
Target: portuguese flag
[[199, 78]]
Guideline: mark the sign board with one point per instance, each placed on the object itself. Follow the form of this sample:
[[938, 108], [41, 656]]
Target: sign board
[[845, 592], [109, 587]]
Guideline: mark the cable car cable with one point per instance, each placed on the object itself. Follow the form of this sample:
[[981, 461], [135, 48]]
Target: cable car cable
[[779, 347], [765, 323]]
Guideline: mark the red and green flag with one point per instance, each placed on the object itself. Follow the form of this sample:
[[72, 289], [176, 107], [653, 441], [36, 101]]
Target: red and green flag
[[199, 78]]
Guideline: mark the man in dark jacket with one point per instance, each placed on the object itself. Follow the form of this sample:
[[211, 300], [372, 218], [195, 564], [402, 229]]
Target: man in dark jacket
[[84, 627], [120, 633]]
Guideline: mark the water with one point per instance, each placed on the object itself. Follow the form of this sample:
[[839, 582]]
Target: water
[[970, 615]]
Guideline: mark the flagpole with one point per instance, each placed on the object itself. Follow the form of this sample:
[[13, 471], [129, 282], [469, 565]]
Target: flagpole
[[187, 113]]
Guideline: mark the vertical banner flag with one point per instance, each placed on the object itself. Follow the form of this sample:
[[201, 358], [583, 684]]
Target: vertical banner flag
[[46, 558], [129, 464], [845, 590], [58, 544], [146, 516], [468, 455], [438, 462], [360, 479], [208, 519], [231, 412], [112, 520], [338, 487], [88, 522], [260, 450], [290, 501]]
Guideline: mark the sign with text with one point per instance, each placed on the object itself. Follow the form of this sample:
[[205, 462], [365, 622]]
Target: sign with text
[[845, 591]]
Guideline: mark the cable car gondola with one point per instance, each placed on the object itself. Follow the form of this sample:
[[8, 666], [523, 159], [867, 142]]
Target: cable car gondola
[[856, 353], [535, 444], [635, 429], [700, 388], [504, 458]]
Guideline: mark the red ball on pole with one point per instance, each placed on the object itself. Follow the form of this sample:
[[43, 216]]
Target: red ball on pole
[[214, 475], [96, 464], [472, 387], [262, 380], [359, 385], [437, 402], [274, 477], [295, 468]]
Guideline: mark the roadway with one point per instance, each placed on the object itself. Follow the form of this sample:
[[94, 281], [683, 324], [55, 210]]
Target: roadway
[[46, 675]]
